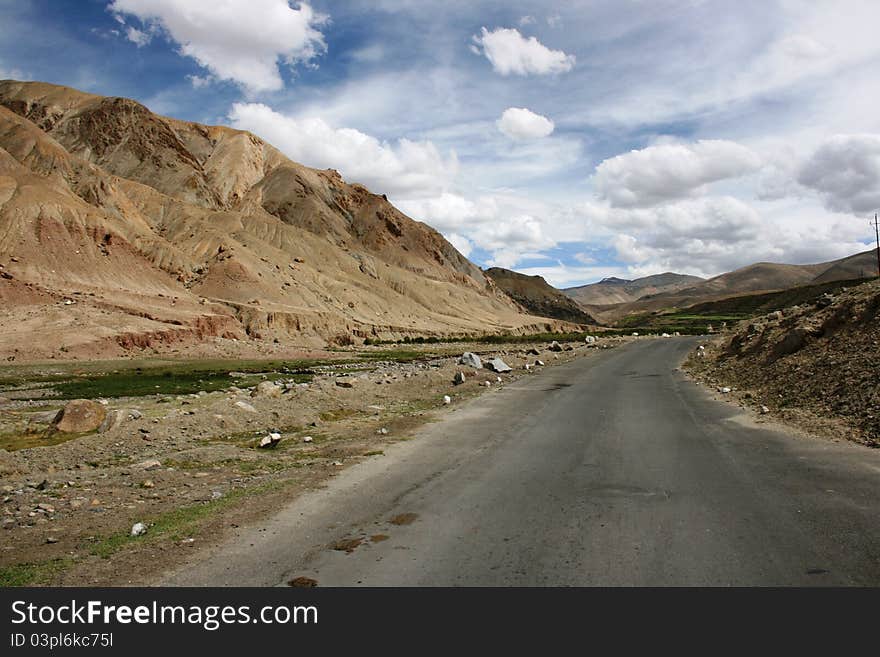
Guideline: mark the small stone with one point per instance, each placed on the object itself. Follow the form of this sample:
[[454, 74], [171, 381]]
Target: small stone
[[138, 529], [382, 432], [458, 379], [51, 539], [447, 400], [148, 483], [307, 439], [243, 405], [539, 363], [150, 464], [764, 410], [345, 383]]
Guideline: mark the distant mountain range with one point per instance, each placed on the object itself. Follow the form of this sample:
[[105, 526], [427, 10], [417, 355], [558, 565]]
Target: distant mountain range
[[619, 290], [610, 300]]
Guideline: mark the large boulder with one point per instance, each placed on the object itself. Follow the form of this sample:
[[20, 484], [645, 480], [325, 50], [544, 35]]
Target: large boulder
[[267, 389], [471, 360], [80, 416], [498, 365]]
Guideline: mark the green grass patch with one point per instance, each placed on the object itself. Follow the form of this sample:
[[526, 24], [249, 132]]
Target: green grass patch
[[32, 574], [47, 438], [176, 524]]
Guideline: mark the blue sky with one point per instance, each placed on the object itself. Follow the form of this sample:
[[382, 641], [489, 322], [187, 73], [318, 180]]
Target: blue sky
[[576, 140]]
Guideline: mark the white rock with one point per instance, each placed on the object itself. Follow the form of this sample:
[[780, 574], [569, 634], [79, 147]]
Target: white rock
[[243, 405], [459, 378], [138, 529], [307, 439], [471, 360], [724, 390], [764, 410], [447, 399], [539, 363], [488, 384], [498, 365], [272, 440]]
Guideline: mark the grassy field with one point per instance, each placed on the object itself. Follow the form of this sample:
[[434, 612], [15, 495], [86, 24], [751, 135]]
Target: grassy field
[[112, 379]]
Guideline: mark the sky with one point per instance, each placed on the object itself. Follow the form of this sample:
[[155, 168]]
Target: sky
[[576, 140]]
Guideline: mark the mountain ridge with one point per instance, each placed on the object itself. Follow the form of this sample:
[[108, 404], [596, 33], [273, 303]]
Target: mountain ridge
[[161, 232]]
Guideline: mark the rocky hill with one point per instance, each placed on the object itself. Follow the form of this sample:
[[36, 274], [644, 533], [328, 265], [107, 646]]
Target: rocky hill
[[122, 228], [816, 364], [537, 296], [619, 290]]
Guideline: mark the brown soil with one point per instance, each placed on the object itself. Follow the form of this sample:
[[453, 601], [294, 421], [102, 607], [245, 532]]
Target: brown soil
[[189, 468], [814, 366]]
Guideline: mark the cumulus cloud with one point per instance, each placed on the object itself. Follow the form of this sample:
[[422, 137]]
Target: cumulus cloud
[[510, 52], [845, 170], [407, 169], [521, 123], [667, 172], [509, 240], [450, 213], [237, 40]]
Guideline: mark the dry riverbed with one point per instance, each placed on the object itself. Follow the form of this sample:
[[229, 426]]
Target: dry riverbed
[[189, 466]]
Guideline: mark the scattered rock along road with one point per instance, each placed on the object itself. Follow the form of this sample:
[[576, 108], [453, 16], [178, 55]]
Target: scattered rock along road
[[610, 470]]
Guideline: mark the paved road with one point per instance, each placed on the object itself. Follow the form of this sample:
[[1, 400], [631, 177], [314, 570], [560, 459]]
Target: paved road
[[609, 470]]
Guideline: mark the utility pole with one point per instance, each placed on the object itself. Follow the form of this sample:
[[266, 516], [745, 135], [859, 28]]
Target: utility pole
[[877, 237]]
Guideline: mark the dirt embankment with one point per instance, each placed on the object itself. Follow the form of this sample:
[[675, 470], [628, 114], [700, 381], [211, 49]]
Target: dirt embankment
[[189, 466], [814, 365]]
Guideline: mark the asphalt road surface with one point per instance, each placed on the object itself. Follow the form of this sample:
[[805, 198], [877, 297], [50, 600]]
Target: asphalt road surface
[[610, 470]]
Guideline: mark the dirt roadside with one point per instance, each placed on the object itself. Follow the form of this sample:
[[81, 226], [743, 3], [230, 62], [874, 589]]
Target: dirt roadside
[[189, 467]]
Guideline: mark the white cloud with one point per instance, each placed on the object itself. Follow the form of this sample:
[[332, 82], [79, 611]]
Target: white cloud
[[199, 81], [510, 52], [671, 171], [511, 239], [407, 169], [526, 20], [462, 244], [845, 170], [138, 37], [238, 40], [450, 213], [521, 123]]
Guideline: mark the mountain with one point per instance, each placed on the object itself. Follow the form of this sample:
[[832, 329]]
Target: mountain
[[860, 265], [537, 296], [757, 278], [619, 290], [122, 228]]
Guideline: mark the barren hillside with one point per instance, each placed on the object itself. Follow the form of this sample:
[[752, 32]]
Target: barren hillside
[[120, 228], [537, 296], [814, 363]]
